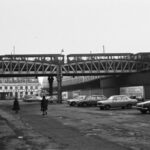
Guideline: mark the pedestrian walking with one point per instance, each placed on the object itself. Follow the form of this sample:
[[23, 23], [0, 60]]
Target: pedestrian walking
[[16, 106], [44, 106]]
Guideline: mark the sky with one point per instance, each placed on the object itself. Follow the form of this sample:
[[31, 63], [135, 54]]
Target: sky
[[76, 26]]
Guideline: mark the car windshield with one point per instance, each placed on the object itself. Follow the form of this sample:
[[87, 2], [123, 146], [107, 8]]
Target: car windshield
[[89, 97], [81, 97], [111, 98]]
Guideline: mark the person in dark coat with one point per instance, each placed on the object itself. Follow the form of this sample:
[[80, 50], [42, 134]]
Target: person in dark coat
[[16, 106], [44, 105]]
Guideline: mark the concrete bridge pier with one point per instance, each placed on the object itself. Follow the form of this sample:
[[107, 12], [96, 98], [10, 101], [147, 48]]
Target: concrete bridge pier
[[59, 83]]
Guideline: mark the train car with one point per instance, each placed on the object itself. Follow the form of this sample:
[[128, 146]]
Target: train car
[[53, 58], [98, 56], [145, 56]]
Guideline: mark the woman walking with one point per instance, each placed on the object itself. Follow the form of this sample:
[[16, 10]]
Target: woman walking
[[44, 106], [16, 106]]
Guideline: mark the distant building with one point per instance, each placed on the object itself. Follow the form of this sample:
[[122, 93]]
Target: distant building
[[11, 87], [66, 81]]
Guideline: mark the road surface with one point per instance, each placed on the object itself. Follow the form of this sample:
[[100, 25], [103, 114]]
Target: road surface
[[77, 128]]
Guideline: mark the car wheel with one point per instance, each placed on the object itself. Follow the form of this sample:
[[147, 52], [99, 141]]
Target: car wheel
[[107, 107], [143, 111], [73, 104]]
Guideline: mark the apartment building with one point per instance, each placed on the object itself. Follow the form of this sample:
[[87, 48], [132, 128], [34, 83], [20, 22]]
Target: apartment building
[[11, 87]]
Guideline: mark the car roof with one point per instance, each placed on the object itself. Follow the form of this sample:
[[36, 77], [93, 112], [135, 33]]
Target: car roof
[[98, 95], [119, 95]]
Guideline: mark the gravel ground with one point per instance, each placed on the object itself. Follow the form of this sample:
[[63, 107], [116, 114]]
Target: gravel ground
[[127, 128], [16, 135]]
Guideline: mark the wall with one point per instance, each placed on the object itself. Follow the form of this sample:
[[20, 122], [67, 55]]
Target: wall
[[111, 85]]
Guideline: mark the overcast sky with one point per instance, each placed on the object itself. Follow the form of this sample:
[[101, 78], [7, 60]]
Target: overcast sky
[[77, 26]]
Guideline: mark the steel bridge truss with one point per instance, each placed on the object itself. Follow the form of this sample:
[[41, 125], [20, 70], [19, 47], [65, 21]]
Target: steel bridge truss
[[26, 68], [104, 67], [36, 68], [53, 65], [30, 65]]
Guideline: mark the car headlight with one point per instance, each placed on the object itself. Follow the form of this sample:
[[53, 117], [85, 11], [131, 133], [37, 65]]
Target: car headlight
[[139, 105], [144, 106]]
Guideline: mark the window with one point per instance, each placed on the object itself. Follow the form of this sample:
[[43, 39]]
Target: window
[[5, 87], [124, 98], [11, 94], [11, 88], [93, 98]]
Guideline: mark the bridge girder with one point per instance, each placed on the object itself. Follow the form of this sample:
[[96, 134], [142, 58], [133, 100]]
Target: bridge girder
[[104, 67], [29, 68], [26, 68]]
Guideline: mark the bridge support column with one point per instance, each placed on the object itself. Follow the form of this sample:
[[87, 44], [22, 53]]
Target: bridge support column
[[59, 83], [50, 81]]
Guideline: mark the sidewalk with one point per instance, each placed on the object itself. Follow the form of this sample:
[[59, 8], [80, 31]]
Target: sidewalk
[[15, 135]]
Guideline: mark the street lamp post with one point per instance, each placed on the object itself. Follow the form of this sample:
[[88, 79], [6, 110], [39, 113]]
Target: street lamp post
[[26, 87]]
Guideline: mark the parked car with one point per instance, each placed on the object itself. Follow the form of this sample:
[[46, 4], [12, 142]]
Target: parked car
[[52, 99], [74, 101], [32, 98], [139, 99], [115, 101], [91, 100], [144, 107]]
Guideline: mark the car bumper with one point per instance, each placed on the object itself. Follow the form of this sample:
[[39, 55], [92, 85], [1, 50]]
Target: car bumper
[[141, 108], [100, 105]]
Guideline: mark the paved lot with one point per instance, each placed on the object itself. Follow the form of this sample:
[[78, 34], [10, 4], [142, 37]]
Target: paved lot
[[112, 129]]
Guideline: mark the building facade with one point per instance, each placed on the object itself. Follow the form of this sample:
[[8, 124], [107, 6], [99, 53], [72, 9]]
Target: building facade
[[11, 87]]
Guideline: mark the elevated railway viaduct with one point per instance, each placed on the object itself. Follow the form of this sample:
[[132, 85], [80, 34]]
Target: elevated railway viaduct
[[110, 85], [123, 67]]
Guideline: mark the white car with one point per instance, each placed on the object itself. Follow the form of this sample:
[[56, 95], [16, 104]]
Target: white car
[[32, 98], [115, 101], [74, 101]]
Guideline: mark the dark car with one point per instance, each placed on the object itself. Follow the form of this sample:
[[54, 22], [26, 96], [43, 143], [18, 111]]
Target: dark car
[[144, 107], [91, 100], [74, 101]]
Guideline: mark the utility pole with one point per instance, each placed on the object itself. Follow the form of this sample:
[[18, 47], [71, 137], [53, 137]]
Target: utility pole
[[14, 49], [103, 49]]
